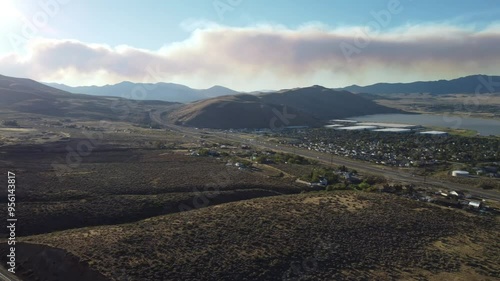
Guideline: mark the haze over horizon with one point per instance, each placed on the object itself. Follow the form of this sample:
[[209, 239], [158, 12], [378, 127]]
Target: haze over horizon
[[248, 45]]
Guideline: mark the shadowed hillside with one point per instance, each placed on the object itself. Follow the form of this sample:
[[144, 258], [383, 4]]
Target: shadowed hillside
[[464, 85], [322, 236], [28, 96], [240, 111], [14, 90], [297, 107], [324, 103]]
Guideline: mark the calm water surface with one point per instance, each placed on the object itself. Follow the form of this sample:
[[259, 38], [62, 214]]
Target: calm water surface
[[485, 127]]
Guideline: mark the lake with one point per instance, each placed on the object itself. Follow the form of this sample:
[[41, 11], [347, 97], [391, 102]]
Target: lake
[[485, 127]]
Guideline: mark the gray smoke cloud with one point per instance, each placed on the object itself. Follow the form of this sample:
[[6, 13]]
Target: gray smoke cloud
[[268, 56]]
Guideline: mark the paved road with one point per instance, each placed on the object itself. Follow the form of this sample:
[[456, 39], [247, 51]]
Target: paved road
[[5, 275], [388, 172]]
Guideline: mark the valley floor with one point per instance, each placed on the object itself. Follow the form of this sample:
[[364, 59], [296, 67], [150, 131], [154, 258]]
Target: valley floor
[[147, 204]]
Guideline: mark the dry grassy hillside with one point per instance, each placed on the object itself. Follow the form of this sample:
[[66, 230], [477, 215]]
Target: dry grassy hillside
[[305, 107], [115, 185], [15, 90], [323, 103], [239, 111], [28, 96], [314, 236]]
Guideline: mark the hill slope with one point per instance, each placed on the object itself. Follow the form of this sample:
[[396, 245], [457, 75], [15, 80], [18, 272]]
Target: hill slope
[[464, 85], [28, 96], [239, 111], [324, 103], [297, 107], [13, 90], [160, 91], [315, 236]]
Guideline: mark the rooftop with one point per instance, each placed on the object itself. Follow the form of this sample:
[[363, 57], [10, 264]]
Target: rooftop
[[393, 130], [357, 128], [387, 125], [434, 133]]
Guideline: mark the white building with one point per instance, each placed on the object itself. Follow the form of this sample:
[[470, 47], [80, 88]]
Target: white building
[[434, 133], [459, 173], [475, 204]]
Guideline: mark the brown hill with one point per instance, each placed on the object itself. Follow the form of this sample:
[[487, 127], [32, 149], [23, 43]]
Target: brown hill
[[15, 90], [324, 103], [28, 96], [239, 111], [314, 236], [296, 107]]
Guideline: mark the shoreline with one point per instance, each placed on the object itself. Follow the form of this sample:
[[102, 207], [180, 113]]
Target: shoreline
[[471, 128]]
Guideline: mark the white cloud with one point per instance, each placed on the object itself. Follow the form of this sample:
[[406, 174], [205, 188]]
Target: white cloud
[[269, 56]]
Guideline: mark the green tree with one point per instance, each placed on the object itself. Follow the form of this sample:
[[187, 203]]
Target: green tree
[[261, 159], [203, 152], [364, 185], [315, 176], [374, 179]]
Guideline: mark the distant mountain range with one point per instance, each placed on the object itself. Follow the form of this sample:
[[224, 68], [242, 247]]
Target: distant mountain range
[[464, 85], [28, 96], [159, 91], [219, 107], [309, 106], [180, 93]]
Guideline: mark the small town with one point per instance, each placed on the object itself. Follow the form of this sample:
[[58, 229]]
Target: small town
[[398, 149], [245, 158]]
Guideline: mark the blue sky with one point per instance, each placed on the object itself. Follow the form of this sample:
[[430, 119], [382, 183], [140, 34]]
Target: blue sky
[[151, 23], [168, 31]]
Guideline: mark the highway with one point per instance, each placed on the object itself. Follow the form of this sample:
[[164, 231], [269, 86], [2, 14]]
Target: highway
[[388, 172], [5, 275]]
